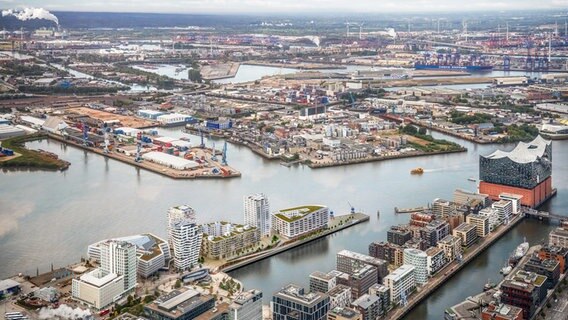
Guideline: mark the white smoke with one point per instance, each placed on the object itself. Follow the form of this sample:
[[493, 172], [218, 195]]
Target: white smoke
[[64, 312], [391, 32], [30, 13]]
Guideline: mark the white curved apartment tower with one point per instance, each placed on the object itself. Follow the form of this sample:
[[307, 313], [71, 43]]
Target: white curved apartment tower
[[257, 212], [184, 237]]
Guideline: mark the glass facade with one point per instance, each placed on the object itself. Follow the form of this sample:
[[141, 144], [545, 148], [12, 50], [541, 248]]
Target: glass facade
[[506, 171]]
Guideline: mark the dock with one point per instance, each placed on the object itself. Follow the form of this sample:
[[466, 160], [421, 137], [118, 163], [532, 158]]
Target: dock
[[149, 166], [452, 269], [409, 210], [357, 218]]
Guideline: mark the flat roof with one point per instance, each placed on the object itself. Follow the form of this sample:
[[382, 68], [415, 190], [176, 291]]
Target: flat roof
[[400, 272], [176, 298], [96, 278], [8, 284]]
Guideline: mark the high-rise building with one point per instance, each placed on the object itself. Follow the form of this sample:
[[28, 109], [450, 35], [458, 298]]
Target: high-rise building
[[247, 306], [525, 171], [257, 212], [323, 282], [291, 302], [493, 216], [340, 296], [383, 293], [115, 277], [434, 232], [185, 237], [418, 259], [120, 258]]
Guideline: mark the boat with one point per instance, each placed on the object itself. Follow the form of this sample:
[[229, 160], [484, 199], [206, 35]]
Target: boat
[[489, 285], [554, 131], [417, 171], [472, 179], [421, 66], [519, 253], [506, 270]]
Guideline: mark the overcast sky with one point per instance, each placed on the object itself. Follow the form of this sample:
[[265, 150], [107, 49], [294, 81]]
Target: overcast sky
[[285, 6]]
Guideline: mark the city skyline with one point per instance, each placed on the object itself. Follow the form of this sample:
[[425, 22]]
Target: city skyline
[[292, 6]]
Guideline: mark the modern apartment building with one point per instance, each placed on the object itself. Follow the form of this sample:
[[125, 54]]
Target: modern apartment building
[[223, 240], [294, 222], [419, 260], [401, 283], [481, 224], [257, 212], [467, 233], [185, 237], [349, 261], [246, 305], [452, 247]]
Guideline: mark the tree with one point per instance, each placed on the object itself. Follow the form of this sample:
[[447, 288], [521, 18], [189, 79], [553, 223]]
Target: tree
[[178, 284], [195, 75]]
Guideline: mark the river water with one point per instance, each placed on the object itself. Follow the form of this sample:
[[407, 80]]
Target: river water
[[51, 217]]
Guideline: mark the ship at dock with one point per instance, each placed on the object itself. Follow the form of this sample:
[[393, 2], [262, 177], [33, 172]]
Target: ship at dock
[[452, 61], [519, 253]]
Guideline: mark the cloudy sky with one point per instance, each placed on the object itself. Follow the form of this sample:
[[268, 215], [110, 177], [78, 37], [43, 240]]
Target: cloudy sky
[[274, 6]]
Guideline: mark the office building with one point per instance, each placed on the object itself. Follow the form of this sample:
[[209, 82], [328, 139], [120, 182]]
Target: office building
[[323, 282], [436, 260], [419, 260], [525, 171], [298, 221], [185, 304], [452, 247], [348, 261], [401, 283], [504, 210], [481, 224], [185, 237], [360, 280], [368, 306], [559, 254], [246, 305], [558, 237], [224, 240], [291, 302], [549, 268], [115, 277], [340, 296], [467, 233], [525, 290], [340, 313], [257, 212], [399, 235], [152, 252]]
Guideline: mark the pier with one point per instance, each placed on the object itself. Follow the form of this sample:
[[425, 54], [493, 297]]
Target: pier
[[543, 215]]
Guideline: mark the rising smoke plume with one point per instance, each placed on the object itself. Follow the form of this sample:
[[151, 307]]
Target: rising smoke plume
[[64, 312], [30, 13]]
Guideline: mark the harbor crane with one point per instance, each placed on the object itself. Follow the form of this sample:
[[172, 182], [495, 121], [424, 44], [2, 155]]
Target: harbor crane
[[202, 145], [213, 153], [352, 207], [85, 134], [106, 133]]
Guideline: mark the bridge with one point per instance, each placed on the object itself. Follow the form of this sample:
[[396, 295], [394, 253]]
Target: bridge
[[543, 215]]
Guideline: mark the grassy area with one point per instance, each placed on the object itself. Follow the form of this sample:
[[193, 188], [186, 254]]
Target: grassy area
[[30, 158], [516, 133], [426, 143]]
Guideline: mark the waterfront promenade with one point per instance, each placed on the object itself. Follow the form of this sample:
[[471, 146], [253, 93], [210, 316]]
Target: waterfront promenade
[[451, 269]]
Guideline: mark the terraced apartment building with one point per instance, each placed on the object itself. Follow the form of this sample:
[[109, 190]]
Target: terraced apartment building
[[297, 221]]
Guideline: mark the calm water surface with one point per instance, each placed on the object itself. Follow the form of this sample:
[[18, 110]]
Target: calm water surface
[[51, 217]]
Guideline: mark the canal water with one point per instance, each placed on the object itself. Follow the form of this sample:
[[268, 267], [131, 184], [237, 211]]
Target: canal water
[[51, 217]]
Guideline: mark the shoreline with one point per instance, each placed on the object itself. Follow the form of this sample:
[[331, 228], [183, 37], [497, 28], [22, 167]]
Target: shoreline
[[358, 218], [180, 176]]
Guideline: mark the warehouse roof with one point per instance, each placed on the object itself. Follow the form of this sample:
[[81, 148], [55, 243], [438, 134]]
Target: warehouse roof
[[169, 160]]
